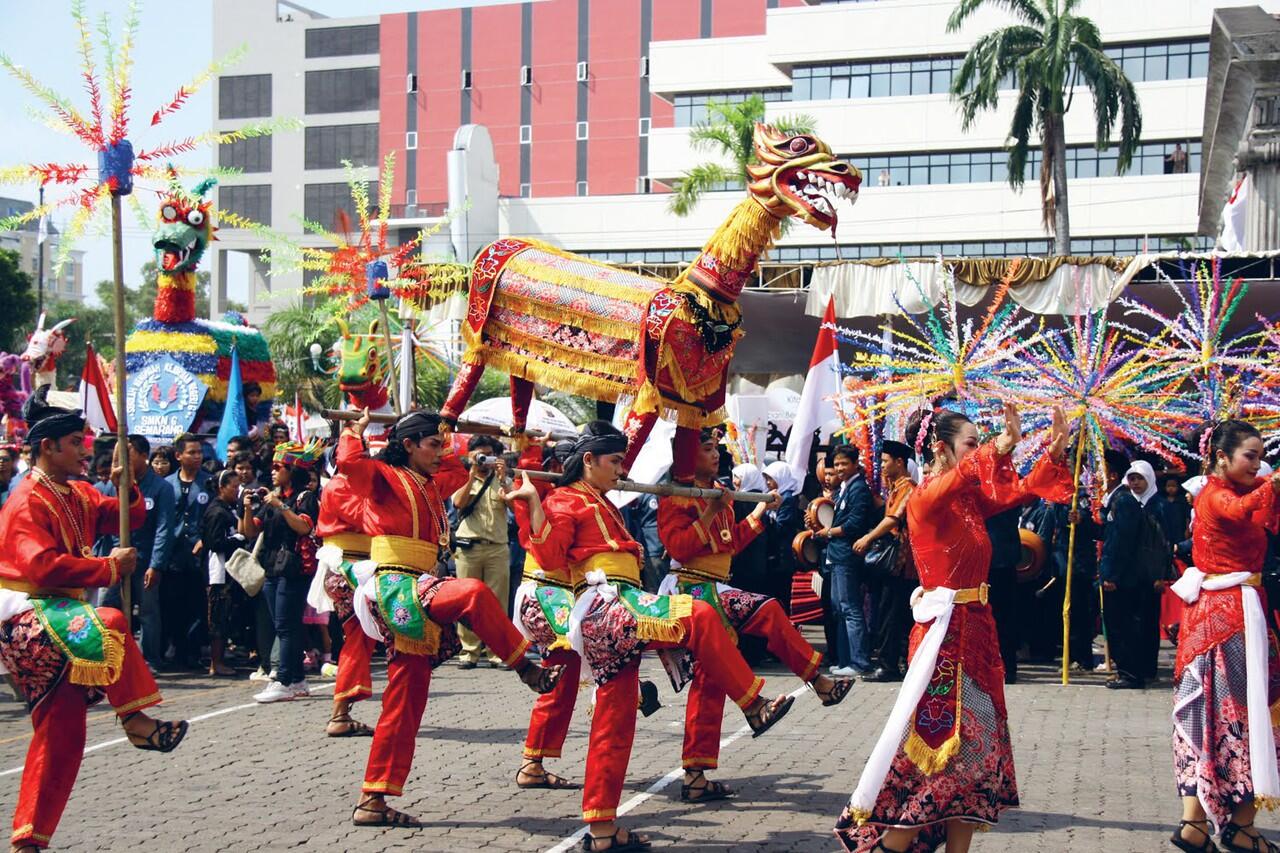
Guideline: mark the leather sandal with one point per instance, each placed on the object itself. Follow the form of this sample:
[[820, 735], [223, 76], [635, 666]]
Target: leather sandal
[[541, 679], [165, 737], [1207, 846], [387, 816], [709, 791], [634, 841], [351, 727], [761, 721], [840, 688], [545, 779], [1257, 844]]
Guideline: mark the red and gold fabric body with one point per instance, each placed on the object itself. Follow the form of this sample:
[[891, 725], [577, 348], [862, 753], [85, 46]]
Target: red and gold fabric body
[[701, 556], [614, 621], [403, 603], [63, 654]]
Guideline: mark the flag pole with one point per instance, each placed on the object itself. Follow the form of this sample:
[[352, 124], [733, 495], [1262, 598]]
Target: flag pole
[[125, 489]]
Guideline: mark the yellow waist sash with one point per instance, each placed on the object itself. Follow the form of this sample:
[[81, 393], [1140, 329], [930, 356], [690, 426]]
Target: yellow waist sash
[[354, 544], [969, 596], [619, 567], [710, 567], [405, 551], [43, 591], [551, 576]]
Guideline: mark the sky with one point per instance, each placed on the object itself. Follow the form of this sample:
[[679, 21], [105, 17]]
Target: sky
[[173, 45]]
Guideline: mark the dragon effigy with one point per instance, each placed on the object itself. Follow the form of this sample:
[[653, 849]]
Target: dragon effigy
[[549, 317], [201, 346], [44, 348]]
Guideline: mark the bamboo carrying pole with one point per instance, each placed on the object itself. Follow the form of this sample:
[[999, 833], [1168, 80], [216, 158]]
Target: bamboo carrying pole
[[122, 424], [664, 489], [465, 427], [1071, 554]]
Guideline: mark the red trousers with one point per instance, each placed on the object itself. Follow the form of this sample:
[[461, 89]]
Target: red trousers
[[549, 722], [613, 725], [705, 710], [409, 678], [58, 737], [355, 681]]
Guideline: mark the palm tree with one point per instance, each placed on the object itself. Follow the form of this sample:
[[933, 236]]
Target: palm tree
[[1048, 55], [728, 129]]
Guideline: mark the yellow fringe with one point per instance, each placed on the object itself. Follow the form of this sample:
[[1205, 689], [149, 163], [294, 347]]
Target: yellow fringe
[[749, 230], [541, 272], [428, 645], [560, 643], [861, 815], [669, 629], [1269, 804], [100, 673], [927, 758], [624, 368], [561, 378]]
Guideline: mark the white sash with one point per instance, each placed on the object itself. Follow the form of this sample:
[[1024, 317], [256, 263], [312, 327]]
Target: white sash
[[936, 606], [328, 559], [1262, 745], [365, 599], [598, 586], [12, 603], [671, 585], [528, 589]]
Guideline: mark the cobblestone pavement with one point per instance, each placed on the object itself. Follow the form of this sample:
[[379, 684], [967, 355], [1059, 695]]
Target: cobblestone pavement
[[1093, 766]]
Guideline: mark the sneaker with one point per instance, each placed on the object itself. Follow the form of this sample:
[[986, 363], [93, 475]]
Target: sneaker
[[844, 672], [259, 676], [300, 688], [1102, 667], [275, 692], [329, 670]]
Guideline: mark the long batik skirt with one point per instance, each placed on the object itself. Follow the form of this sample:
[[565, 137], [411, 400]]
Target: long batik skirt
[[977, 780], [1211, 727]]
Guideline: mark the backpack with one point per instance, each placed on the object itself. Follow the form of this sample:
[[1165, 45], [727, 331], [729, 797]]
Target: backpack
[[1152, 556]]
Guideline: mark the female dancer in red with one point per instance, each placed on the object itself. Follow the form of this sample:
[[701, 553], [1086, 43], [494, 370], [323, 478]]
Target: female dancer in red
[[614, 621], [944, 762], [1227, 672]]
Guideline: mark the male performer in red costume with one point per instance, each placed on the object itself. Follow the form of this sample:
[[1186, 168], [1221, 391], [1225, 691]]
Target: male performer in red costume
[[404, 603], [345, 544], [702, 537], [61, 652]]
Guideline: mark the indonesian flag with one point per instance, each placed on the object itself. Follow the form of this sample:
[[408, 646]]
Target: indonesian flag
[[1233, 217], [821, 385], [294, 418], [95, 399]]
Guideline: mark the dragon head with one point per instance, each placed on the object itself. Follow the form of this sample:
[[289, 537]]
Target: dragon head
[[186, 227], [799, 176], [361, 366]]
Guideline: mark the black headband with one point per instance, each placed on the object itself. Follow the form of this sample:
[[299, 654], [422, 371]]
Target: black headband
[[610, 442], [416, 425], [54, 427]]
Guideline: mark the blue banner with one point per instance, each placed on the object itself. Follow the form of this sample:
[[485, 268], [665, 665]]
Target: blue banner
[[162, 399]]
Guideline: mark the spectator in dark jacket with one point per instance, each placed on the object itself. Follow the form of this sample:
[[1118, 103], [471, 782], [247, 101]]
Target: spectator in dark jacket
[[1006, 550], [1127, 595], [218, 532], [182, 594], [852, 521], [1172, 509]]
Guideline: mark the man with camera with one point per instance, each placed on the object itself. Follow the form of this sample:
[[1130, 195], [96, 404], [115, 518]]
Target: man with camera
[[481, 535]]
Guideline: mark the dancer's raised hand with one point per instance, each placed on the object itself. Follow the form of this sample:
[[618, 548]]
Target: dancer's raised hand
[[1008, 440]]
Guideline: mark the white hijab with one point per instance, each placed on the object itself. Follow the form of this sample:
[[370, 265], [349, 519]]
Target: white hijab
[[749, 478], [1143, 469], [780, 471]]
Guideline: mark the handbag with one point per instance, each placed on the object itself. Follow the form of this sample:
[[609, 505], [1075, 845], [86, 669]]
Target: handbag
[[881, 559], [244, 567]]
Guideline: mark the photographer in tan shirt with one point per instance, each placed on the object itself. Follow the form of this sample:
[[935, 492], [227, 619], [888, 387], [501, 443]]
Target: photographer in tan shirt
[[482, 551]]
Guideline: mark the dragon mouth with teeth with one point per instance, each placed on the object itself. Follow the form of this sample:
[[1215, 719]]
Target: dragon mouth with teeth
[[797, 175], [817, 189], [173, 256]]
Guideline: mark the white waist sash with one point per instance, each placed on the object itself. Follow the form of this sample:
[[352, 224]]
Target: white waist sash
[[598, 587], [936, 606], [1262, 745], [12, 603], [364, 601], [328, 559]]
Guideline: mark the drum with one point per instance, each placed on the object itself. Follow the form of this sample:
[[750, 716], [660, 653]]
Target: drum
[[1031, 561], [820, 513], [805, 548]]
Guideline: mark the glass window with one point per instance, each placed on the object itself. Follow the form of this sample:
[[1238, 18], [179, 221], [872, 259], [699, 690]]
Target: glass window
[[327, 146], [247, 155], [247, 96], [341, 90], [1200, 59], [342, 41], [252, 201], [1179, 65], [879, 83], [326, 204]]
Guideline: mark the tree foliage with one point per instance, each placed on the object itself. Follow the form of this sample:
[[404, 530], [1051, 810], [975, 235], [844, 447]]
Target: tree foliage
[[1050, 52], [729, 130], [18, 297]]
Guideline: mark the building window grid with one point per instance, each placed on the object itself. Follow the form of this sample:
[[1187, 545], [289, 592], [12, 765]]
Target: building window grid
[[252, 201], [341, 90], [247, 155], [322, 202], [1182, 60], [691, 109], [342, 41], [244, 96], [326, 146], [966, 167]]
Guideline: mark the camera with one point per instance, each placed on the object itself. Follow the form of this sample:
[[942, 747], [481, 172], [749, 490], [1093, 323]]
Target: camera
[[485, 462], [257, 496]]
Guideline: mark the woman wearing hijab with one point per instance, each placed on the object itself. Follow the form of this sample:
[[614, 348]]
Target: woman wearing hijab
[[785, 522], [750, 568]]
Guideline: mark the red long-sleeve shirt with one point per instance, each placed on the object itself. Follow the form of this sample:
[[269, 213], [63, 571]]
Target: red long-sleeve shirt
[[398, 501], [703, 548], [580, 524]]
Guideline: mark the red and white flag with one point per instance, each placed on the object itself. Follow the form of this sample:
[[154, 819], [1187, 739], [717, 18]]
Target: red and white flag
[[821, 387], [1234, 215], [95, 399], [294, 418]]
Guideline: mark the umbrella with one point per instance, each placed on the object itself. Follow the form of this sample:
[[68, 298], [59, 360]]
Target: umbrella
[[496, 411]]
